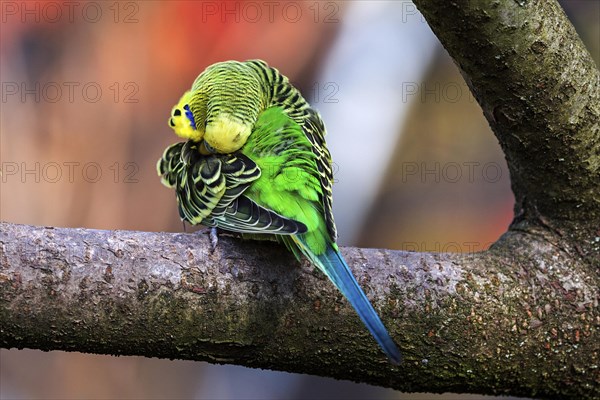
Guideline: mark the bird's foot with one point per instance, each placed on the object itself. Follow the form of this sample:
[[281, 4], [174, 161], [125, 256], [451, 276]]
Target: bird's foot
[[212, 234], [214, 239]]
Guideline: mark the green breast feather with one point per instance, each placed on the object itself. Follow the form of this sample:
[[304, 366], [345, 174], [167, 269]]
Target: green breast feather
[[289, 182]]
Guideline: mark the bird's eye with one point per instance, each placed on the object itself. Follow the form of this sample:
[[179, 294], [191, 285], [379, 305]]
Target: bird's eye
[[177, 112], [171, 122]]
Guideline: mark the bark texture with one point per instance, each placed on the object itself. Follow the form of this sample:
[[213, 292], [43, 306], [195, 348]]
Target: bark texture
[[510, 320], [539, 89], [521, 318]]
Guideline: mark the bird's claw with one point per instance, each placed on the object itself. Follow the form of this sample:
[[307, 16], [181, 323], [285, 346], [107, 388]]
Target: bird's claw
[[214, 239], [213, 235]]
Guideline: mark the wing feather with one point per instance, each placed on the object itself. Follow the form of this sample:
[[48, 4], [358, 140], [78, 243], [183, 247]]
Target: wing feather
[[209, 190], [281, 93]]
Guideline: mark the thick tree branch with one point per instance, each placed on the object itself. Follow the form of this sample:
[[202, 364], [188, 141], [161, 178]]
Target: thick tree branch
[[539, 89], [465, 322]]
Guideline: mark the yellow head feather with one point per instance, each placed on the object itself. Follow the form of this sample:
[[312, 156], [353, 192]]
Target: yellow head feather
[[182, 120]]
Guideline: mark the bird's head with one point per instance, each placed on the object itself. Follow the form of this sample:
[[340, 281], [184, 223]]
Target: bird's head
[[221, 108], [223, 133], [182, 120]]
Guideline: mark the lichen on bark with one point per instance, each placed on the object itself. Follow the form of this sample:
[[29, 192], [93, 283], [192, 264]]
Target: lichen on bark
[[520, 319], [539, 89]]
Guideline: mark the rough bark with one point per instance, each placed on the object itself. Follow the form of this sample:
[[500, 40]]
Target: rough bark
[[521, 318], [539, 89]]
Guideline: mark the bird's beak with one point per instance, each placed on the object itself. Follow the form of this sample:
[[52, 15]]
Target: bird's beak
[[206, 149]]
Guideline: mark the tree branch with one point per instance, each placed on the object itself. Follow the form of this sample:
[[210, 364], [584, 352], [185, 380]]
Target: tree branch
[[539, 89], [465, 322]]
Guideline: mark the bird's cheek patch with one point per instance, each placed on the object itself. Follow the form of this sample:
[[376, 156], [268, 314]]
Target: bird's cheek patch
[[184, 130]]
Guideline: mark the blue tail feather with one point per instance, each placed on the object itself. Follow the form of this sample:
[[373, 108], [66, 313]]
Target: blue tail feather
[[337, 270]]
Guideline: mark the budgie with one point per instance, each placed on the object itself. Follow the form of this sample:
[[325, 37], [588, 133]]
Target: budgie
[[255, 162]]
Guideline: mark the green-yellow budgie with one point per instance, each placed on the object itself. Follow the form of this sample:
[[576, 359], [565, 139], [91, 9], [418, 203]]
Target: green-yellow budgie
[[255, 162]]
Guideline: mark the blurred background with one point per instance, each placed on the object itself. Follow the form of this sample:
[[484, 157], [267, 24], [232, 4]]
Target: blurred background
[[87, 88]]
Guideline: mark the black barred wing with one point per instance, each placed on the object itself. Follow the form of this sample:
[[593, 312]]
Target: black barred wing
[[210, 189], [280, 92], [315, 131], [169, 165], [245, 216]]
